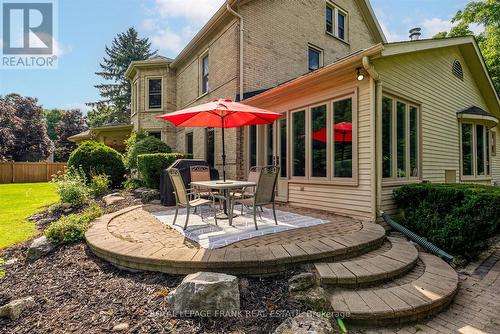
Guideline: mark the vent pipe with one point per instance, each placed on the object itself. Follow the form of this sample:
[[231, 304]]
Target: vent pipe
[[415, 34]]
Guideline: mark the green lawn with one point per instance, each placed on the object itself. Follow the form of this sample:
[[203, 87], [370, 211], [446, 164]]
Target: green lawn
[[18, 201]]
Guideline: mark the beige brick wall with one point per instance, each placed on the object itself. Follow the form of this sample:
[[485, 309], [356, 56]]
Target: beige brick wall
[[277, 35]]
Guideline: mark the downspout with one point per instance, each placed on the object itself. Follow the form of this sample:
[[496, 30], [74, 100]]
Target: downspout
[[376, 152], [232, 11]]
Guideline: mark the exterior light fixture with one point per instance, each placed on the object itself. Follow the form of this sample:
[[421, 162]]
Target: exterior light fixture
[[360, 75]]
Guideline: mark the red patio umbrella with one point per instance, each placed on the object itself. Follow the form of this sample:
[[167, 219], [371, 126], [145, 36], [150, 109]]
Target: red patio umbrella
[[221, 114], [342, 131]]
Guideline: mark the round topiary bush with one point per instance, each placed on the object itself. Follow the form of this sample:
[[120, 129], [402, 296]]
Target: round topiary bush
[[145, 145], [95, 158]]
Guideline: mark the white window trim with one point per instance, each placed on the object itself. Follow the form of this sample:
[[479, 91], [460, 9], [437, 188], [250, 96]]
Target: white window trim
[[394, 150], [200, 74], [146, 91], [336, 10], [487, 148], [321, 57]]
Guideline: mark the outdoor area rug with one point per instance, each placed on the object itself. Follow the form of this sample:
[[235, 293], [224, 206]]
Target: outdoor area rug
[[210, 236]]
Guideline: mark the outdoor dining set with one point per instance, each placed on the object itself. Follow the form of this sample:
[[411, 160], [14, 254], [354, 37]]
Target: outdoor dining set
[[255, 192]]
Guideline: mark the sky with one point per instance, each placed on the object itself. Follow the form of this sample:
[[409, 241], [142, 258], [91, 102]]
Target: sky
[[85, 27]]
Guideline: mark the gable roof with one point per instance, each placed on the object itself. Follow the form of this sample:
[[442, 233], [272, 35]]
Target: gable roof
[[222, 13]]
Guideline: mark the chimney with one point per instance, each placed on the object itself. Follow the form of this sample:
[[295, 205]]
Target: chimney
[[415, 34]]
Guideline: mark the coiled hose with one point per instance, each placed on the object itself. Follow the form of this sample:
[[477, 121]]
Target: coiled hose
[[417, 239]]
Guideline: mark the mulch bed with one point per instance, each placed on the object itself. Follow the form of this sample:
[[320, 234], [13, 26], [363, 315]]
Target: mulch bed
[[77, 292]]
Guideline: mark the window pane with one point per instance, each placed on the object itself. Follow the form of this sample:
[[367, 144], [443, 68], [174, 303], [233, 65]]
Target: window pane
[[341, 26], [155, 134], [480, 149], [387, 137], [329, 19], [154, 92], [270, 152], [488, 161], [314, 56], [413, 142], [189, 143], [204, 75], [318, 141], [342, 137], [283, 153], [299, 143], [211, 146], [467, 168], [253, 145], [401, 138]]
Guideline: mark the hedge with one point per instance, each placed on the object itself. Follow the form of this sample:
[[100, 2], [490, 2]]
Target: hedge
[[144, 145], [457, 218], [96, 158], [151, 165]]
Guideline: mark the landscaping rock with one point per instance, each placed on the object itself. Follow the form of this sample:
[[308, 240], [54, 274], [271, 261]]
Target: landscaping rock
[[65, 206], [16, 307], [301, 282], [41, 223], [314, 297], [305, 323], [39, 247], [10, 262], [37, 216], [150, 195], [121, 327], [112, 199], [214, 294]]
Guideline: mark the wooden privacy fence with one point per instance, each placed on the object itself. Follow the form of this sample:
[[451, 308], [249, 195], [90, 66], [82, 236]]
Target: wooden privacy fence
[[27, 172]]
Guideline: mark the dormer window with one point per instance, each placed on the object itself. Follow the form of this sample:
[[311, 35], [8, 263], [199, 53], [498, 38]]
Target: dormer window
[[337, 22], [154, 93]]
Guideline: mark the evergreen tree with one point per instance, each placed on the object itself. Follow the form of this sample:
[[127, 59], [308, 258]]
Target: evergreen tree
[[71, 123], [103, 114], [486, 13], [125, 48]]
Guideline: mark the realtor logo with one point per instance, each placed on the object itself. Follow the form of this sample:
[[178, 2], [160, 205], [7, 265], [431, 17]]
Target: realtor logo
[[28, 34]]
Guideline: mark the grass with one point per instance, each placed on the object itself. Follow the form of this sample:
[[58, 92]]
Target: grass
[[18, 201]]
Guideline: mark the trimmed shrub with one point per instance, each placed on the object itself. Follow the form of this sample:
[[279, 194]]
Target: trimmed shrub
[[146, 145], [95, 158], [72, 228], [99, 185], [458, 218], [72, 186], [151, 165]]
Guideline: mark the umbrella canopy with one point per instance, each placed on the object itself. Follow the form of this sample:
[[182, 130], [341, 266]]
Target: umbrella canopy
[[222, 114], [342, 132]]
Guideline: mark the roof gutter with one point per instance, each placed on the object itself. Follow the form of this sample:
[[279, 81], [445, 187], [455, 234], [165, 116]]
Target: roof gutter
[[232, 11]]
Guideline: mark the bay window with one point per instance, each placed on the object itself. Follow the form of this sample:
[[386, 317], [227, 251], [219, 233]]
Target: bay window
[[475, 150], [400, 139], [154, 93]]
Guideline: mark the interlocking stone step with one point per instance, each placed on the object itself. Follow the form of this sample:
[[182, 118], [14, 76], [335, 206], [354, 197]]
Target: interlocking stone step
[[412, 301], [399, 259]]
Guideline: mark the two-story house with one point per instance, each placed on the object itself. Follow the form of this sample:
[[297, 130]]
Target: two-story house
[[360, 115]]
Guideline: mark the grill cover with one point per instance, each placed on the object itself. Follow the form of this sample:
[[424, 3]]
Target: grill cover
[[167, 196]]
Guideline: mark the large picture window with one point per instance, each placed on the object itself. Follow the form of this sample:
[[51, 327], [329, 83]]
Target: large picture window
[[154, 93], [299, 143], [342, 130], [318, 141], [475, 150], [400, 139]]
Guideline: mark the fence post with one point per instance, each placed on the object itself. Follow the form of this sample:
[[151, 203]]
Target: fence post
[[46, 171], [12, 169]]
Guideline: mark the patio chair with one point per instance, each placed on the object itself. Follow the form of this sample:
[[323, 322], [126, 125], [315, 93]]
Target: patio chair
[[264, 193], [200, 174], [187, 198]]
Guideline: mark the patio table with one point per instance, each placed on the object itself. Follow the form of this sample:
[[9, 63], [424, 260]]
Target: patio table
[[225, 187]]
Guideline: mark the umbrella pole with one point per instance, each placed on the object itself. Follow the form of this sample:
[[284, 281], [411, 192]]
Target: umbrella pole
[[223, 154]]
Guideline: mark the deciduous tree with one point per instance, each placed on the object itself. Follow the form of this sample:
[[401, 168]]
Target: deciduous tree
[[71, 123]]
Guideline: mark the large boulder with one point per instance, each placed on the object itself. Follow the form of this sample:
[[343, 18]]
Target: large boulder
[[113, 198], [305, 323], [301, 282], [315, 298], [206, 293], [16, 307], [39, 247]]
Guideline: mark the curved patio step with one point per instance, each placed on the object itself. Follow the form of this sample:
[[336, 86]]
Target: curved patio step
[[399, 259], [420, 298], [133, 239]]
